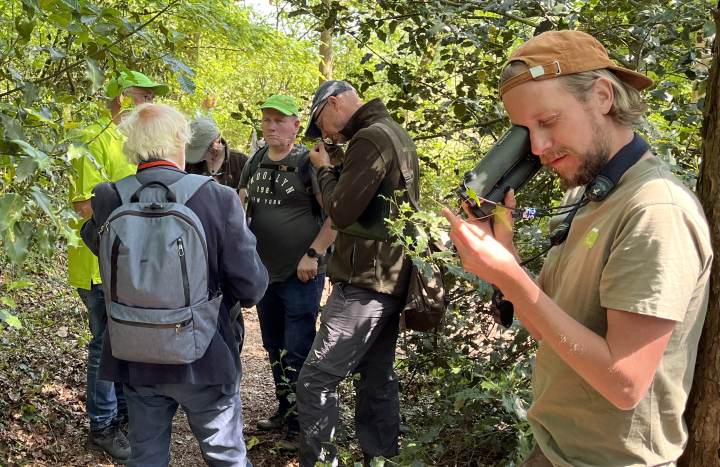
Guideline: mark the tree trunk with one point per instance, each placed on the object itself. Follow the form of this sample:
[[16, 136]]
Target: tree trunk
[[703, 409], [326, 51]]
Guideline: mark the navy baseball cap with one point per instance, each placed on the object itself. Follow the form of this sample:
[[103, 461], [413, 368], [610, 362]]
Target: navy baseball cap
[[324, 92]]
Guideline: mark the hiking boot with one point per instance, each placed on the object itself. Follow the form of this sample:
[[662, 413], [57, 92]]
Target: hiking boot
[[291, 441], [111, 441], [122, 421], [277, 420]]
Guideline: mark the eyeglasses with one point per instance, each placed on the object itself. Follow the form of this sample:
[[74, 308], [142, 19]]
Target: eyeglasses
[[317, 117], [148, 97]]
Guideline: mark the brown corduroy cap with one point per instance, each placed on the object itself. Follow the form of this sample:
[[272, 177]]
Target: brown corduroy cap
[[557, 53]]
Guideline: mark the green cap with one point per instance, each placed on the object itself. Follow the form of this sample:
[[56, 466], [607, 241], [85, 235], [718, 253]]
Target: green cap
[[284, 104], [116, 86]]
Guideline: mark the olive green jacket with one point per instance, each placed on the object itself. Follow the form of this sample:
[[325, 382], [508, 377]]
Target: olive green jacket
[[369, 158]]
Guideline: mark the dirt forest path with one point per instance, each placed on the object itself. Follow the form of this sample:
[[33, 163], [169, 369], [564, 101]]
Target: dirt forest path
[[43, 378], [258, 398]]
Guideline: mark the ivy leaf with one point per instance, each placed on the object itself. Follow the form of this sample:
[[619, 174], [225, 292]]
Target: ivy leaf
[[94, 74], [16, 241], [11, 208], [13, 130], [187, 84]]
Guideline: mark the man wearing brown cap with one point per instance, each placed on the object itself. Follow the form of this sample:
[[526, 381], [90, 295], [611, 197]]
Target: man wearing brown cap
[[618, 307]]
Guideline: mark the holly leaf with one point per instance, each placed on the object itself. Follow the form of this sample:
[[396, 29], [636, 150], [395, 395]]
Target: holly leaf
[[16, 241], [42, 198], [37, 156], [11, 208], [94, 74], [10, 319], [31, 93], [46, 240], [13, 130]]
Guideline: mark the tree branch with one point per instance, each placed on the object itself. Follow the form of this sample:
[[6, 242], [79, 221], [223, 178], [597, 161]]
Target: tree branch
[[477, 6], [449, 133], [104, 49]]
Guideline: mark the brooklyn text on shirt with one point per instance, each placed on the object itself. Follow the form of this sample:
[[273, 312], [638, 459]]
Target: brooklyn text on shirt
[[281, 178]]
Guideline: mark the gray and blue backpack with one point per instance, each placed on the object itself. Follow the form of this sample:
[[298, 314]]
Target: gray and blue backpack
[[154, 268]]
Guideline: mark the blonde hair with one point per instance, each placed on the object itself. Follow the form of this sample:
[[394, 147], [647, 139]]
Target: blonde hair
[[154, 130], [627, 108]]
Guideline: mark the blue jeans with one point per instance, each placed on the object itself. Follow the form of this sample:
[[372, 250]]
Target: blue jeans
[[214, 414], [105, 400], [287, 313]]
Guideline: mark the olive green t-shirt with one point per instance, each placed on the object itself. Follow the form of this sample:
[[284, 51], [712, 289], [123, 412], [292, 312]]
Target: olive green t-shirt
[[283, 221], [109, 164], [644, 249]]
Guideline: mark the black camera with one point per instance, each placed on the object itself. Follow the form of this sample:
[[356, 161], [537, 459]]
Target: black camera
[[509, 164]]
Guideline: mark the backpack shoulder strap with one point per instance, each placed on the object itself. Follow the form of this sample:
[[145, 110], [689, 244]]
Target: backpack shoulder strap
[[305, 175], [402, 158], [187, 186], [256, 159], [126, 187]]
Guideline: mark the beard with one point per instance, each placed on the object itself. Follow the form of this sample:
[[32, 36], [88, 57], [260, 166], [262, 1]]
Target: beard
[[592, 161]]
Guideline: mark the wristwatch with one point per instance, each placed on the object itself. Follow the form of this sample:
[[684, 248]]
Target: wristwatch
[[313, 254]]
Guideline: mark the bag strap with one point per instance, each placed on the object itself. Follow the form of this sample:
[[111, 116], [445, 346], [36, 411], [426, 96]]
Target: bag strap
[[402, 158], [187, 186], [183, 189], [126, 187], [256, 159]]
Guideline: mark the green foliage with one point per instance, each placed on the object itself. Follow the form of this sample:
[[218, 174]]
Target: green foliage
[[55, 58], [435, 64]]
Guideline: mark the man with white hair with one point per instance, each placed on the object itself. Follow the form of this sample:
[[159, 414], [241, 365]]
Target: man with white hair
[[208, 387], [105, 405]]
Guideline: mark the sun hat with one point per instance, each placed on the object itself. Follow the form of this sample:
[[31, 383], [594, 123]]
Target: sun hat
[[281, 103], [116, 86]]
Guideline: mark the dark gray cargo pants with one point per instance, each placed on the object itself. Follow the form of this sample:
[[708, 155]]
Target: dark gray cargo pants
[[358, 333]]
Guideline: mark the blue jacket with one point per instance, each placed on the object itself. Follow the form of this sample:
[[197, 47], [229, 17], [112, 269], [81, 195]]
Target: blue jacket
[[234, 267]]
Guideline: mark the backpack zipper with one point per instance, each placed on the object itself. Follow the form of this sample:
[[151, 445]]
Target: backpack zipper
[[183, 269], [177, 326]]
